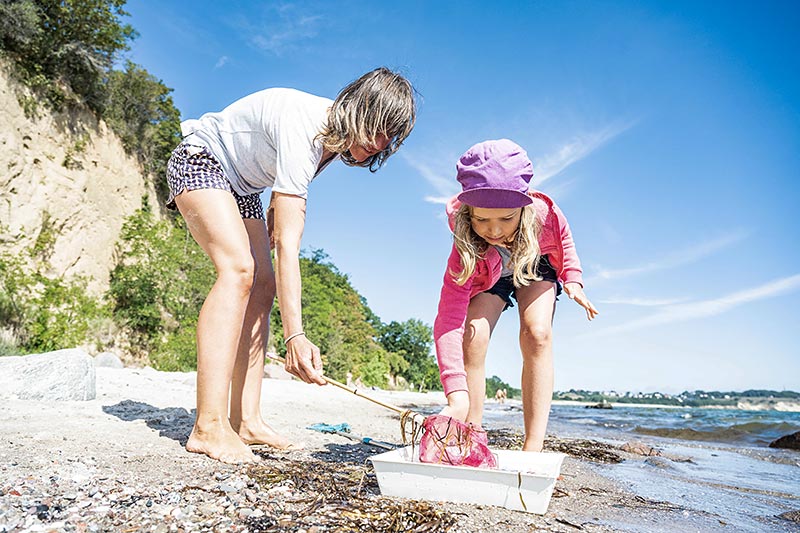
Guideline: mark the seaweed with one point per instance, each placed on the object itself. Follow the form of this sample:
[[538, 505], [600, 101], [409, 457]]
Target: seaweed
[[337, 497], [591, 450]]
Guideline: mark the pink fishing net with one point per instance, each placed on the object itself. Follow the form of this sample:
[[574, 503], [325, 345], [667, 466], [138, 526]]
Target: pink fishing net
[[450, 441]]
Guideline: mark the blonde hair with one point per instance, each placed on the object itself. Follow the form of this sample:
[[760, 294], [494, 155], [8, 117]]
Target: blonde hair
[[524, 250], [379, 102]]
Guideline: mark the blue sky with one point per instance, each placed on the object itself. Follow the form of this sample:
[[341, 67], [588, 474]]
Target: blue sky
[[668, 132]]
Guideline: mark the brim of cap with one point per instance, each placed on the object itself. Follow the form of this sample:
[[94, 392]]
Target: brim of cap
[[495, 198]]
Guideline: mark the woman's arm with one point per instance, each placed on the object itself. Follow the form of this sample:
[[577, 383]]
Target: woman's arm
[[287, 221]]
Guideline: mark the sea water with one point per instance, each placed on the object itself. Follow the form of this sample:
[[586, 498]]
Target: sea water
[[725, 466]]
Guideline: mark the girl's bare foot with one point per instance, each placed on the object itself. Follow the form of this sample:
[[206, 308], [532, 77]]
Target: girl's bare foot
[[260, 433], [531, 446], [221, 444]]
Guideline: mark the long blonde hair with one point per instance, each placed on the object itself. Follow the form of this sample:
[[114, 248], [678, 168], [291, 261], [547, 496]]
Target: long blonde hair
[[524, 250], [379, 102]]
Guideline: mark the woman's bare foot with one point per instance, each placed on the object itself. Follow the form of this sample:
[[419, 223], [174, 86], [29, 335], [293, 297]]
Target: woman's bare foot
[[221, 444], [261, 433]]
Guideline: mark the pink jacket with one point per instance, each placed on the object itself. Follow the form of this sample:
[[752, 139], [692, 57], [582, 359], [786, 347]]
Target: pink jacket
[[555, 240]]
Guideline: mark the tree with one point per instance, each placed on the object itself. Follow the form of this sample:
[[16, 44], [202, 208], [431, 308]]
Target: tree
[[140, 110], [65, 42], [493, 383], [413, 340], [337, 319]]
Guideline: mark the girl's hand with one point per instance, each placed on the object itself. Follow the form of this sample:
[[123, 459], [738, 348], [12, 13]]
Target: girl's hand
[[304, 361], [575, 292], [457, 405]]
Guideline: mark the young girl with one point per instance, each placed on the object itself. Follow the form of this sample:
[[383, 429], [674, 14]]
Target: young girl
[[279, 139], [509, 242]]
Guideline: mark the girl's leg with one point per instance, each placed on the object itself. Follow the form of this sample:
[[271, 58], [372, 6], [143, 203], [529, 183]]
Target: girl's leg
[[482, 315], [536, 307], [215, 223], [248, 373]]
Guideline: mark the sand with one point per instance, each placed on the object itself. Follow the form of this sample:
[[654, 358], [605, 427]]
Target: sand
[[117, 463]]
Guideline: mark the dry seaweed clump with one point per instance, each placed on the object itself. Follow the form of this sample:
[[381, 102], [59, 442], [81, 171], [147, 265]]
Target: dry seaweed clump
[[320, 496], [591, 450]]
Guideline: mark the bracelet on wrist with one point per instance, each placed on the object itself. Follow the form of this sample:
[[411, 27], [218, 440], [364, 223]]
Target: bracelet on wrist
[[292, 336]]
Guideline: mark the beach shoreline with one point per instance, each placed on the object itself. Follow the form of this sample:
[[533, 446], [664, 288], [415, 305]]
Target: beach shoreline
[[118, 462], [782, 406]]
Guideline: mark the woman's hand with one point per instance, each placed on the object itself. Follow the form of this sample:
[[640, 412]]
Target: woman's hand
[[303, 360], [575, 292]]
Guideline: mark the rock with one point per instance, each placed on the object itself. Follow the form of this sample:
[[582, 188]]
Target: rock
[[60, 375], [792, 516], [659, 462], [639, 448], [602, 405], [108, 360], [790, 442]]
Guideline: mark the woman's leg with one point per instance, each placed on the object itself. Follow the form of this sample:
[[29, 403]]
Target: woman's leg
[[215, 223], [248, 373], [482, 315], [536, 307]]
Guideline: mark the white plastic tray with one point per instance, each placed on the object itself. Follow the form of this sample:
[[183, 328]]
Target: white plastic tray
[[523, 481]]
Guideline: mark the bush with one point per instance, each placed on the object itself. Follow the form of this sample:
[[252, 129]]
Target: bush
[[158, 287], [45, 313]]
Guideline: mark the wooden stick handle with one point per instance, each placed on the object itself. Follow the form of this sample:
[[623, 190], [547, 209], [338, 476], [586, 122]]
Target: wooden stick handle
[[335, 383]]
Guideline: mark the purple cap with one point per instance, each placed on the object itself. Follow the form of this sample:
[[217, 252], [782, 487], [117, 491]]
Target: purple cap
[[495, 175]]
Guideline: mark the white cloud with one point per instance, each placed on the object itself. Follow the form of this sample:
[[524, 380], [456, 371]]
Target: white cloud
[[443, 181], [673, 260], [642, 302], [707, 308], [281, 27], [221, 62], [578, 148], [438, 199]]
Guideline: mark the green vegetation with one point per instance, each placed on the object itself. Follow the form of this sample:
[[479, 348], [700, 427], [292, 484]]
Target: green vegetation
[[64, 48], [158, 286], [140, 110], [351, 336], [42, 312], [494, 383], [64, 52], [413, 340]]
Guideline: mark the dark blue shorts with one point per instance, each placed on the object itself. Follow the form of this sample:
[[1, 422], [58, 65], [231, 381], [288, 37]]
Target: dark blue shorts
[[194, 167], [504, 288]]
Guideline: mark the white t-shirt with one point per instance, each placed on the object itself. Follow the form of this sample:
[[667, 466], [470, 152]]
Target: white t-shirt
[[266, 139]]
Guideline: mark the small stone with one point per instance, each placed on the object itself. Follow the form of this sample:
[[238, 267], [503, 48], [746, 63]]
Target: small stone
[[224, 487]]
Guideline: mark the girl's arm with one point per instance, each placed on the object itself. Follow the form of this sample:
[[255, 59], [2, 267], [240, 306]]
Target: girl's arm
[[571, 271], [448, 328], [289, 215]]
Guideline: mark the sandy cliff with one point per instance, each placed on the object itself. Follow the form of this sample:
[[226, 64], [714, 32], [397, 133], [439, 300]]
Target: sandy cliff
[[65, 175]]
